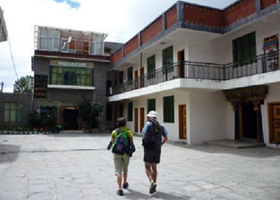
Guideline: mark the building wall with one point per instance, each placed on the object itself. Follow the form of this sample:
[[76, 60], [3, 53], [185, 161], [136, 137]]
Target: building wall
[[25, 99], [74, 96], [207, 116]]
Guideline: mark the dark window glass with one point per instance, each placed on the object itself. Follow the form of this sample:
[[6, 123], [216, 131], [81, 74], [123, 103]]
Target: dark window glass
[[244, 47], [168, 109], [130, 112], [151, 67], [151, 104]]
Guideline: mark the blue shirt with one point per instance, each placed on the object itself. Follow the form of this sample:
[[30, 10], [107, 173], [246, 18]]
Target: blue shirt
[[148, 123]]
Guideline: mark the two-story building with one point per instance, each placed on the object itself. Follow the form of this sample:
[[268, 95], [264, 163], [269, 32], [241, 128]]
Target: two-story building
[[209, 73]]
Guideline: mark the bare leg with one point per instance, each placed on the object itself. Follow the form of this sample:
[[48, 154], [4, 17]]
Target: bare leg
[[149, 171], [119, 180], [124, 177], [154, 173]]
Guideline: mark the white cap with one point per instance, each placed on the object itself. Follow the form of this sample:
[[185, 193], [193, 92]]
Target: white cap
[[152, 114]]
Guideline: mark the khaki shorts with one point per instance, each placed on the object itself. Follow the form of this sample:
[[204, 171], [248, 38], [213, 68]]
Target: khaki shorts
[[121, 163]]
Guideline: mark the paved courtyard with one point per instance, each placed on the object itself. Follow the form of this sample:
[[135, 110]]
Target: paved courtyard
[[79, 167]]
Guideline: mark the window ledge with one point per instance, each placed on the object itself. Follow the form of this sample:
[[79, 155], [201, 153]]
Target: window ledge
[[75, 87]]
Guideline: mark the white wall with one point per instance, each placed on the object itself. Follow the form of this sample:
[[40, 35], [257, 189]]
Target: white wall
[[207, 116]]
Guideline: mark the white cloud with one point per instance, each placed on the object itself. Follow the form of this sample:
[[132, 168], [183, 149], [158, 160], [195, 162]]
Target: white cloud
[[120, 19]]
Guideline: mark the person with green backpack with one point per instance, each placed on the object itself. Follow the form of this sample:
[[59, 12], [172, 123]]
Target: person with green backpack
[[122, 146]]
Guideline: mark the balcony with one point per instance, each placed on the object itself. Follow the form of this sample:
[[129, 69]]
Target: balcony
[[204, 71]]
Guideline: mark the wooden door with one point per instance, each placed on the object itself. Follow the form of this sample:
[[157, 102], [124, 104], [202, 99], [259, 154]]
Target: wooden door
[[181, 65], [136, 120], [182, 122], [142, 118], [136, 79], [274, 123], [142, 84]]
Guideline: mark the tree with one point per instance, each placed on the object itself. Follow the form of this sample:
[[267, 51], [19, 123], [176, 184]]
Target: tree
[[91, 114], [24, 84]]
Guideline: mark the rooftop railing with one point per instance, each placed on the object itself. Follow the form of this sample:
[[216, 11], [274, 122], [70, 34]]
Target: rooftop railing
[[206, 71]]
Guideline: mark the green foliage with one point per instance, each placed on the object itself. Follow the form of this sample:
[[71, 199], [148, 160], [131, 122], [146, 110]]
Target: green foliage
[[91, 113], [24, 85], [46, 121]]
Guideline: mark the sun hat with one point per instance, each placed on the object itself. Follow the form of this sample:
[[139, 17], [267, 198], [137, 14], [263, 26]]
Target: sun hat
[[152, 114]]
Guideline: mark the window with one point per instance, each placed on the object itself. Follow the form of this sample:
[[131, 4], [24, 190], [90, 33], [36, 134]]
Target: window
[[168, 109], [167, 59], [151, 67], [130, 75], [151, 104], [130, 111], [12, 112], [244, 47], [71, 76], [49, 39], [109, 112]]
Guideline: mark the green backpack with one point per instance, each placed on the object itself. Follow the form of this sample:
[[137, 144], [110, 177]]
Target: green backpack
[[120, 144]]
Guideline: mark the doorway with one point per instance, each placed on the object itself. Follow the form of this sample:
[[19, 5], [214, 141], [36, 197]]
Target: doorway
[[249, 126], [70, 118], [136, 120], [182, 122], [181, 64], [142, 118]]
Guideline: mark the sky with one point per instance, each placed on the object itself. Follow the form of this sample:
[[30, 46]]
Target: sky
[[120, 19]]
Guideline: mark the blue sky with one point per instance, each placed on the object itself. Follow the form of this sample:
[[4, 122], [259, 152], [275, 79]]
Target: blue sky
[[120, 19], [72, 4]]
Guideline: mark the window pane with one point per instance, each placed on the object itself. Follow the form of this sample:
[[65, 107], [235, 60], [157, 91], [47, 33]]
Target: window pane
[[13, 116], [6, 115]]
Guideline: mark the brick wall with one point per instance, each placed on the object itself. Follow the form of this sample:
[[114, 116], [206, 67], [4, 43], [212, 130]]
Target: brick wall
[[152, 30], [131, 45], [171, 17], [266, 3]]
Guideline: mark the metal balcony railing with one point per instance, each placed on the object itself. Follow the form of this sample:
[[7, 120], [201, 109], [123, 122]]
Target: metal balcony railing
[[208, 71]]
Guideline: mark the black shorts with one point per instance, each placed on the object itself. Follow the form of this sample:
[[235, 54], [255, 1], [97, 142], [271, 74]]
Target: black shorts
[[152, 155]]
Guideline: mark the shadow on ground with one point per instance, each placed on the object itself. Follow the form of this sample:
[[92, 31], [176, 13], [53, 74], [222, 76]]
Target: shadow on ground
[[8, 153], [133, 194]]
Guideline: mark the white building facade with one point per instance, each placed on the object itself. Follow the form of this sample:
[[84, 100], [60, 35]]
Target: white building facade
[[210, 74]]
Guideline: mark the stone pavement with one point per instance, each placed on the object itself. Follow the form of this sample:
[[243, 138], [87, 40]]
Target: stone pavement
[[79, 167]]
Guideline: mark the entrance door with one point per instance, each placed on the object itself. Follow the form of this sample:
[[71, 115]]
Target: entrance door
[[181, 65], [182, 122], [249, 122], [142, 118], [136, 79], [70, 118], [142, 77], [136, 120], [274, 123]]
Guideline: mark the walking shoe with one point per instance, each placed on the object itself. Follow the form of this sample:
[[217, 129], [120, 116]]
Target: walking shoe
[[120, 192], [125, 185], [153, 188]]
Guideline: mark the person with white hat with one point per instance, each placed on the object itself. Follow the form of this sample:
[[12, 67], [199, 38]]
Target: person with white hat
[[155, 135]]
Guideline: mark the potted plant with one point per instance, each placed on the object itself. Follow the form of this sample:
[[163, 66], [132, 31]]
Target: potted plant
[[91, 114]]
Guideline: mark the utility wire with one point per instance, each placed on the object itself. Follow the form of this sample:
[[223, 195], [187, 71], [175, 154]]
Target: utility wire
[[12, 58]]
